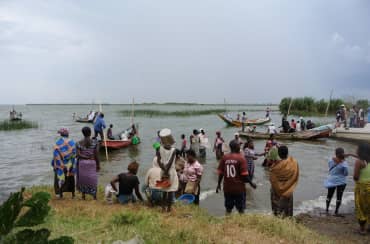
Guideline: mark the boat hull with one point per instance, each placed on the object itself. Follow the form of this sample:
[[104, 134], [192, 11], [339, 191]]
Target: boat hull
[[115, 144], [302, 135], [353, 134], [236, 123], [84, 121]]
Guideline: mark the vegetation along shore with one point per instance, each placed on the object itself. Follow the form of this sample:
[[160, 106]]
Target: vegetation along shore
[[97, 221]]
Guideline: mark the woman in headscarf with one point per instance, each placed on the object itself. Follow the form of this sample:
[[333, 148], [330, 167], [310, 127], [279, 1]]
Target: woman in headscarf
[[64, 164], [88, 164], [361, 176]]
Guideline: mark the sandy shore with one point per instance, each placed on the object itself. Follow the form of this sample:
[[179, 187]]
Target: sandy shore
[[342, 229]]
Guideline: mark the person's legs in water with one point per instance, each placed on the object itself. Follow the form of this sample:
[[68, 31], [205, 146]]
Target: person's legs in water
[[331, 191], [340, 191]]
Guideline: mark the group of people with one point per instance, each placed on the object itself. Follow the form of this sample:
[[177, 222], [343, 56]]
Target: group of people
[[76, 161], [356, 117], [177, 171], [337, 181], [296, 125]]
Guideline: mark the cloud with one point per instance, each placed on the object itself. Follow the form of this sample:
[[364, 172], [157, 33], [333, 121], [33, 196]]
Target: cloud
[[200, 51], [337, 39]]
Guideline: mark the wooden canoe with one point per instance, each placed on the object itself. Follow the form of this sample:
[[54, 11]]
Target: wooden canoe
[[84, 120], [249, 122], [315, 133], [115, 144]]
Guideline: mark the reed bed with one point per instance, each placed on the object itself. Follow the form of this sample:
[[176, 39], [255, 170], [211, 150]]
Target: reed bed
[[7, 125], [161, 113]]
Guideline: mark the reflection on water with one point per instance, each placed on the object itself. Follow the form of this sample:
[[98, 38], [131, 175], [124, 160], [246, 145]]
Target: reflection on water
[[25, 155]]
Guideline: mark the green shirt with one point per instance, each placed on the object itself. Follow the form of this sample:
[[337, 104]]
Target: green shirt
[[365, 174]]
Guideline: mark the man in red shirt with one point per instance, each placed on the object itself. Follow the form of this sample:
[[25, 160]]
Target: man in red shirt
[[233, 169]]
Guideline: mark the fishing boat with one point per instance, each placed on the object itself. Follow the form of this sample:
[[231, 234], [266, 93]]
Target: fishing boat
[[90, 118], [236, 123], [319, 132], [14, 116], [124, 139], [353, 134]]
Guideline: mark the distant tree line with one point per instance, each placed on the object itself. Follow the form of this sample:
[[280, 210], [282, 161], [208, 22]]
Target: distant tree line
[[310, 106]]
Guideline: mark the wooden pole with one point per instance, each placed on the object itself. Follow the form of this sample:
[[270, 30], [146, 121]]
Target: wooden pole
[[290, 105], [327, 108], [132, 111]]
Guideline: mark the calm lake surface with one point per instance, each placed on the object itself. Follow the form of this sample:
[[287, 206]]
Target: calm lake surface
[[25, 155]]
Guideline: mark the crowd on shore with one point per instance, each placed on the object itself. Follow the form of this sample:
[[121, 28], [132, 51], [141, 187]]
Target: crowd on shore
[[178, 172]]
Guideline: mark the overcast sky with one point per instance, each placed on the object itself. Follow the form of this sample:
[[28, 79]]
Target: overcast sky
[[185, 51]]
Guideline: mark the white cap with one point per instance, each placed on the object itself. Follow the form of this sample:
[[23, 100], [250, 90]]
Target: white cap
[[236, 134]]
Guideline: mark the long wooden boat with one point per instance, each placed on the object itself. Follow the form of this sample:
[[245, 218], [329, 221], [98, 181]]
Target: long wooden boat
[[84, 120], [353, 134], [122, 140], [115, 144], [315, 133], [236, 123]]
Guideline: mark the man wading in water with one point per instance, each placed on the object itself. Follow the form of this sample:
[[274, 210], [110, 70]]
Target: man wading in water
[[233, 169]]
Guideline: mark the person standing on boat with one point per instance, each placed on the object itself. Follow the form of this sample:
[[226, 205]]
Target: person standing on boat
[[303, 123], [361, 118], [343, 115], [217, 146], [88, 164], [64, 164], [99, 126], [244, 121], [337, 178], [352, 117], [267, 112]]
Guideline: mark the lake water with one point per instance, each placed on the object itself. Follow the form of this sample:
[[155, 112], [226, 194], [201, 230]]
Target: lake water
[[25, 155]]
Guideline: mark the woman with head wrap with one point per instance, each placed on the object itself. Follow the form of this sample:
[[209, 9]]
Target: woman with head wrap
[[64, 164]]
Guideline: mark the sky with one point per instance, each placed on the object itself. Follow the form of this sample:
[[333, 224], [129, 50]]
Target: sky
[[204, 51]]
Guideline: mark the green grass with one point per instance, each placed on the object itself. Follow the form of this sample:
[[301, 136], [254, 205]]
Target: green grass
[[160, 113], [17, 125], [96, 221]]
